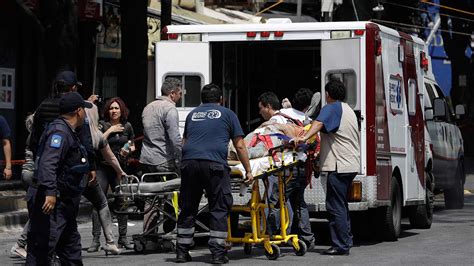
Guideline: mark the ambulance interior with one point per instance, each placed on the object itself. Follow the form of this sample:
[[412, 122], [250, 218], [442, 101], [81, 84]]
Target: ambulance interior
[[246, 69]]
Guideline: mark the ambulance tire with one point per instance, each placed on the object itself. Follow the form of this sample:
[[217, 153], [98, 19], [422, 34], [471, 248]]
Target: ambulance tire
[[421, 216], [454, 197], [391, 216]]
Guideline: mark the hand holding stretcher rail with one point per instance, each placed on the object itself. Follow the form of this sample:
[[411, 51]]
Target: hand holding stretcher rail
[[281, 157]]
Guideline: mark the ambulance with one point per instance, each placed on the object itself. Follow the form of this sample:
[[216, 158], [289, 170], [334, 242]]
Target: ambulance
[[382, 69]]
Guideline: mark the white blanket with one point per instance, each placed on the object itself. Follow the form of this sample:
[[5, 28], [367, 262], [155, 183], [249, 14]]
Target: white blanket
[[260, 165]]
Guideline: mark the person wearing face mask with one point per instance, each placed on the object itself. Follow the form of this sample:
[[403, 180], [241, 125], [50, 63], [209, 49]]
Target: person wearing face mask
[[60, 178], [118, 132]]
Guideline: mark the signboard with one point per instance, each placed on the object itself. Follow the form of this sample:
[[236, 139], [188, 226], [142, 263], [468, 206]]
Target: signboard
[[7, 88], [90, 10], [395, 93]]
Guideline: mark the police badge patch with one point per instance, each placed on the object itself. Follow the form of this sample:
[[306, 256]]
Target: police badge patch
[[56, 141]]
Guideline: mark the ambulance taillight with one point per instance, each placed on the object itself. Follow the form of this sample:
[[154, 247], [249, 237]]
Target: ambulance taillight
[[355, 192]]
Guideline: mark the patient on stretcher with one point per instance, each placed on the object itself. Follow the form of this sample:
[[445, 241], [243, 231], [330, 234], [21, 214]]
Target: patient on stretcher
[[268, 135]]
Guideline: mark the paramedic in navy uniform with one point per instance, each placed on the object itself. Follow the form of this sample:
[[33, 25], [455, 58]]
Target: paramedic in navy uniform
[[340, 158], [207, 133], [58, 182]]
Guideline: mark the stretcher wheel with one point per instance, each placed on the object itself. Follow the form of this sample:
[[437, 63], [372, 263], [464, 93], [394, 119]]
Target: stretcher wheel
[[138, 246], [247, 248], [276, 252], [303, 248]]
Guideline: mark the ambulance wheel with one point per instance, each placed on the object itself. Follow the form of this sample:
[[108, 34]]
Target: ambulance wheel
[[421, 216], [138, 246], [247, 248], [391, 216], [276, 252], [303, 248]]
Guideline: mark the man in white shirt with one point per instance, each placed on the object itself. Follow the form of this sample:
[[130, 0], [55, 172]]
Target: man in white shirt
[[269, 106], [300, 105]]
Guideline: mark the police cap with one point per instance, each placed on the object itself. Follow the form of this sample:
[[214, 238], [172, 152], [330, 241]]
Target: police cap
[[68, 78], [70, 101]]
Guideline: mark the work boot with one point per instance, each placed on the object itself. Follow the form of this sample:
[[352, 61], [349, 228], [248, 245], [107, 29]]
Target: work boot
[[112, 249], [219, 259], [182, 257]]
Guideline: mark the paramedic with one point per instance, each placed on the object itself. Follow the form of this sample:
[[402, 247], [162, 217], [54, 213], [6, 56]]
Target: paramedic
[[208, 130], [268, 103], [339, 157], [162, 144], [59, 180]]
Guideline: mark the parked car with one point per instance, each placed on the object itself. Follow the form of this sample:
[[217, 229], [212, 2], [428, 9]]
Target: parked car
[[446, 144]]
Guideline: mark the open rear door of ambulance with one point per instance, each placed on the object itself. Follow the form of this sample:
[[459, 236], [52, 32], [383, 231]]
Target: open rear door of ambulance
[[341, 59], [188, 62]]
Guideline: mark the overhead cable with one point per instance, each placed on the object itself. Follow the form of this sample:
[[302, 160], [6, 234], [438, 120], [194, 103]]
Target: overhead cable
[[448, 7], [419, 27], [427, 11]]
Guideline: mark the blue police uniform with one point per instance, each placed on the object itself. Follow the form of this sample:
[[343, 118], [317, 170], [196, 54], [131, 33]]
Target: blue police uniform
[[208, 130], [62, 168]]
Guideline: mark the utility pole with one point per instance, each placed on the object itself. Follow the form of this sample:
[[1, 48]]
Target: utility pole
[[298, 8], [165, 17], [134, 61]]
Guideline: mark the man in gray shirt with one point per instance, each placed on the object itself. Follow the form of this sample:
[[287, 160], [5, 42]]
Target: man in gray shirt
[[161, 148]]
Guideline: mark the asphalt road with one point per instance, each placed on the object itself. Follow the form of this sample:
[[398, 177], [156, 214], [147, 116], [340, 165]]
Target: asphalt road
[[450, 241]]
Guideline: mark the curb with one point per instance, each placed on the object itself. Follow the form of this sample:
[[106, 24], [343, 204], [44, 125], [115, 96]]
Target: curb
[[17, 219]]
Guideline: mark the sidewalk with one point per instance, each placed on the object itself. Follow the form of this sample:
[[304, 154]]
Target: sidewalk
[[17, 218]]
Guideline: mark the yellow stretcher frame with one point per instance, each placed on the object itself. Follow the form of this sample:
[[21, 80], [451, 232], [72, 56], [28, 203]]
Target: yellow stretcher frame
[[256, 208]]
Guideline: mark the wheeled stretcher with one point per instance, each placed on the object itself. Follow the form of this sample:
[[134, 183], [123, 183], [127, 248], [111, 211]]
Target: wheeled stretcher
[[280, 160], [154, 193]]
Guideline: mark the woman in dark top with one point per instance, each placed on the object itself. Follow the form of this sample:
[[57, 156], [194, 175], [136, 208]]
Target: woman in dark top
[[119, 134]]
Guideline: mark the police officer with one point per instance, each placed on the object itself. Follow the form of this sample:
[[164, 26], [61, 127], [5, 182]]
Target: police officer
[[209, 127], [59, 180]]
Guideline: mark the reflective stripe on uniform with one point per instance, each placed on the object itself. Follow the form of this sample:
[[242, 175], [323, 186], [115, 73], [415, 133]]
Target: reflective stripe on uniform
[[184, 240], [218, 234], [185, 231]]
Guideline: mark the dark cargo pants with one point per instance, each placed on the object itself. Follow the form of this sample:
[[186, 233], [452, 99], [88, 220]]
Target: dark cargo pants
[[53, 234], [199, 175]]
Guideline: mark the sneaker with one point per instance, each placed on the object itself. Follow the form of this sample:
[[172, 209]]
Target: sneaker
[[18, 252]]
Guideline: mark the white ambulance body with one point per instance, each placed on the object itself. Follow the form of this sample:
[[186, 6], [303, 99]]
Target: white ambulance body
[[382, 69]]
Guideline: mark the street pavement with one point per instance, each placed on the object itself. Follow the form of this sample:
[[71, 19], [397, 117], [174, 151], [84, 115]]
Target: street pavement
[[450, 241]]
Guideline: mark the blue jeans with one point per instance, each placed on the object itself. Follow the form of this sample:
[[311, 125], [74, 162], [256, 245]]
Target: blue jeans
[[297, 208], [338, 185]]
